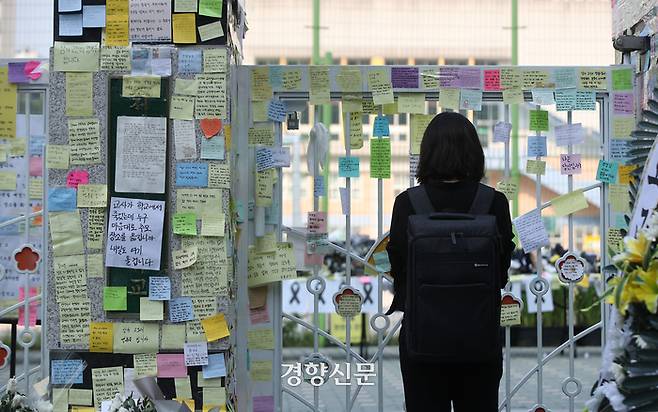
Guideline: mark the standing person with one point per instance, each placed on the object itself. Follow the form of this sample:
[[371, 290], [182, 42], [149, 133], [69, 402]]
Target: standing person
[[450, 168]]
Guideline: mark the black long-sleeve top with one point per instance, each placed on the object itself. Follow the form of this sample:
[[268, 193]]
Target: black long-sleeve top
[[445, 197]]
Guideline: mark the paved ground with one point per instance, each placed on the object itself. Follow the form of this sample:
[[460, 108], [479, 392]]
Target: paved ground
[[332, 398]]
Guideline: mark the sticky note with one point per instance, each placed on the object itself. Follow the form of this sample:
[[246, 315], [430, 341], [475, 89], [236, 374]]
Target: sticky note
[[513, 96], [57, 156], [492, 80], [81, 397], [101, 337], [215, 60], [622, 126], [182, 107], [403, 77], [136, 337], [76, 56], [215, 327], [196, 353], [569, 203], [185, 257], [569, 134], [470, 99], [181, 309], [449, 98], [190, 61], [184, 224], [92, 195], [106, 383], [411, 103], [536, 167], [77, 177], [531, 230], [145, 364], [319, 85], [8, 181], [261, 370], [192, 174], [502, 131], [159, 288], [184, 25], [115, 59], [79, 94], [150, 309], [585, 100], [115, 298], [348, 166], [419, 123], [509, 187], [173, 337], [213, 226], [538, 120], [380, 158], [623, 103], [66, 371], [276, 111], [216, 367], [171, 365], [262, 338], [565, 99], [593, 79], [570, 164], [537, 146], [60, 199], [380, 86], [380, 127], [141, 86], [211, 31], [607, 171], [210, 8], [66, 233], [622, 79]]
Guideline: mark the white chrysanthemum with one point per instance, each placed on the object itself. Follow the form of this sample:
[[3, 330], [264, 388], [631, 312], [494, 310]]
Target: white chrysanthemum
[[43, 406], [122, 409], [18, 401], [618, 372], [650, 229], [11, 385], [593, 403], [116, 403], [614, 396]]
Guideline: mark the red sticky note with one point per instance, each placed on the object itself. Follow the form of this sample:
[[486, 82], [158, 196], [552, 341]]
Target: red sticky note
[[36, 166], [492, 80], [171, 365], [77, 177]]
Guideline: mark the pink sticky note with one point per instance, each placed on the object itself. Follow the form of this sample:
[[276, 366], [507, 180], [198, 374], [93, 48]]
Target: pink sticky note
[[36, 166], [171, 365], [492, 80], [77, 177], [623, 103]]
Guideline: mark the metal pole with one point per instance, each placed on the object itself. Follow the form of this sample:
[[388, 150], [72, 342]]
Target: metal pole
[[538, 267], [508, 338], [348, 258], [515, 107], [571, 320]]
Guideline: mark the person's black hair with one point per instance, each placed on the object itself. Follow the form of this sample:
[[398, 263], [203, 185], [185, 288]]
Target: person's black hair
[[450, 150]]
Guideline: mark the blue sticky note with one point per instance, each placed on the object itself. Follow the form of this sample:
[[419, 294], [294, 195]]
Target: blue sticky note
[[276, 77], [213, 148], [216, 367], [536, 146], [189, 61], [276, 110], [585, 100], [348, 166], [61, 199], [382, 263], [159, 288], [192, 174], [181, 309], [318, 186], [619, 150], [66, 371], [607, 171], [565, 99], [380, 128], [36, 145]]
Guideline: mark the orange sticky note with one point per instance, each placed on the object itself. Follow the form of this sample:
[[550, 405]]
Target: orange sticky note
[[101, 337], [215, 327], [184, 28]]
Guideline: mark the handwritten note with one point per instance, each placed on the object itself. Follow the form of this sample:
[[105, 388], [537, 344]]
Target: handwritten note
[[404, 77], [189, 61], [622, 79], [569, 203], [380, 87], [182, 107], [150, 21], [115, 59], [76, 56], [380, 158], [173, 337], [570, 164], [181, 309], [79, 94], [159, 288], [449, 98], [192, 174], [319, 81], [585, 100], [266, 269], [565, 99], [66, 233], [531, 230], [66, 371], [136, 337], [101, 337], [380, 127], [502, 131], [115, 298], [184, 25], [171, 365], [348, 166], [106, 383], [116, 24], [513, 96], [211, 31], [607, 171], [57, 156], [470, 99], [216, 367], [134, 235], [211, 98], [536, 167], [537, 146], [419, 123], [492, 80], [569, 134], [141, 154], [215, 60], [411, 103], [622, 126], [538, 120], [141, 86], [92, 195], [196, 353], [623, 103], [593, 79]]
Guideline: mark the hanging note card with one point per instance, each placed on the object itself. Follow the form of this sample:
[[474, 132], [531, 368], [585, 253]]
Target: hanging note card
[[380, 86], [411, 103], [622, 126], [570, 164], [569, 134], [380, 127], [513, 96], [607, 171], [141, 154], [569, 203], [319, 89], [532, 231], [538, 120], [565, 77], [537, 146], [128, 245], [470, 99], [380, 158], [502, 132], [449, 98], [585, 100], [348, 166], [565, 99], [623, 103], [536, 167], [419, 123]]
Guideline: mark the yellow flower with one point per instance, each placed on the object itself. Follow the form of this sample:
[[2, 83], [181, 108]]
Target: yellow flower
[[635, 250], [646, 289]]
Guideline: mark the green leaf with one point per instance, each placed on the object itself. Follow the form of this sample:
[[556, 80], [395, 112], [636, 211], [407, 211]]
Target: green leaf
[[597, 302]]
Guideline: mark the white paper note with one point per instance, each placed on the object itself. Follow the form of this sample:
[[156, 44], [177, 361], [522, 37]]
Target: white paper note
[[531, 231]]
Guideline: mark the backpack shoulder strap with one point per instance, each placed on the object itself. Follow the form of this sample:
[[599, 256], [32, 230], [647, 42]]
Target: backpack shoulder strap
[[483, 199], [420, 200]]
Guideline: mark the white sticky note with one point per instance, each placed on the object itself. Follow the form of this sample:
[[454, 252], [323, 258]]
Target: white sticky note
[[93, 16], [531, 230], [70, 24]]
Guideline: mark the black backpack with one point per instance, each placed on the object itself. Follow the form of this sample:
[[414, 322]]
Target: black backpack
[[452, 311]]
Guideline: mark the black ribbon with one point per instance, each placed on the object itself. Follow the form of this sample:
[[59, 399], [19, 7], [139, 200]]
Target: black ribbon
[[294, 289], [367, 290]]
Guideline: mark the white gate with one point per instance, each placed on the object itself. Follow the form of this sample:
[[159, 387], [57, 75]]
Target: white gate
[[295, 85]]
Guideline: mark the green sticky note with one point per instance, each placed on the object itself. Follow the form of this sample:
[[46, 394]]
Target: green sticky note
[[380, 158], [115, 298], [210, 8], [622, 79], [539, 120], [185, 224]]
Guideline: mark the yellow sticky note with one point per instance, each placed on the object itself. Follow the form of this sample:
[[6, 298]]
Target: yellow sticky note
[[57, 156], [266, 243], [622, 126], [141, 86], [76, 56], [533, 78], [17, 147], [215, 60], [351, 103], [593, 79], [66, 233], [449, 98], [84, 141], [80, 397], [188, 402], [261, 89], [136, 337], [215, 327], [214, 396], [625, 173], [173, 337], [619, 197], [95, 267], [380, 86], [79, 94], [260, 338], [187, 87], [259, 111], [7, 180], [83, 408], [569, 203], [348, 79], [183, 388], [213, 225], [261, 370], [115, 59], [207, 383], [411, 103], [150, 309], [184, 25], [8, 106], [319, 90], [92, 195], [510, 78], [116, 23], [182, 107], [292, 79], [4, 151], [101, 337], [390, 108], [513, 96], [145, 364], [95, 227], [418, 125], [35, 189], [536, 167]]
